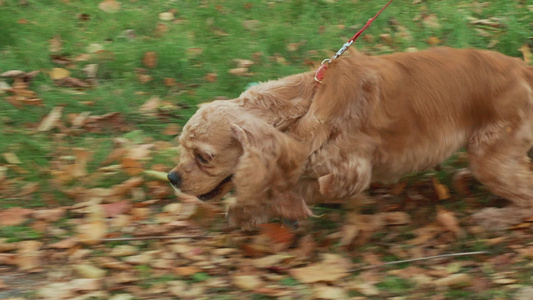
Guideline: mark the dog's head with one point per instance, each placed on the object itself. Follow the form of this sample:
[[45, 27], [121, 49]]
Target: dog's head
[[208, 151], [224, 146]]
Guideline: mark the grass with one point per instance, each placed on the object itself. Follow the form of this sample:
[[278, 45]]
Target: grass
[[223, 31], [205, 38]]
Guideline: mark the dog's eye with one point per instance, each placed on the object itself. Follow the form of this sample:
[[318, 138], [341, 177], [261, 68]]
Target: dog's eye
[[201, 159]]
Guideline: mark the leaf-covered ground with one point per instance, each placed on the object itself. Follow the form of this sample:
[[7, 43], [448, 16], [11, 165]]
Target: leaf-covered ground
[[92, 94]]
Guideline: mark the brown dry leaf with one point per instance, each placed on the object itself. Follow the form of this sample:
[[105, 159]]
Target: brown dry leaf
[[169, 82], [247, 282], [243, 63], [442, 191], [89, 271], [431, 21], [51, 119], [13, 73], [277, 232], [329, 292], [71, 82], [348, 234], [397, 218], [211, 77], [50, 215], [239, 72], [124, 187], [460, 279], [386, 38], [251, 24], [56, 45], [433, 40], [80, 166], [195, 51], [172, 129], [526, 52], [448, 220], [92, 233], [109, 6], [56, 291], [332, 268], [150, 59], [166, 16], [14, 216], [11, 158], [117, 208], [29, 256], [131, 166], [140, 152], [64, 244], [151, 106], [58, 73]]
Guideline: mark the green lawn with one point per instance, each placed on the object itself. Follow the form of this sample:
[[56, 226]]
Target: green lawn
[[195, 53]]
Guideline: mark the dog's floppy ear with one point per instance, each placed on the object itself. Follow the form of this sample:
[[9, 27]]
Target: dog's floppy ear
[[268, 169]]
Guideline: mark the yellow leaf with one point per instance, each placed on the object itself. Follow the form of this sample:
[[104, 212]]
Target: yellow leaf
[[50, 120], [526, 51], [109, 6], [58, 73], [442, 191]]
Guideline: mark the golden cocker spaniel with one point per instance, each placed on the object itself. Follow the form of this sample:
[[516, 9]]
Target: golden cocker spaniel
[[290, 142]]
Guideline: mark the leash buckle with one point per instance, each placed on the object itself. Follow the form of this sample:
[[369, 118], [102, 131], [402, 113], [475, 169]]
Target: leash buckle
[[321, 72]]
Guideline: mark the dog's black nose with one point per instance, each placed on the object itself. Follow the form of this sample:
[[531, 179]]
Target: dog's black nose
[[174, 178]]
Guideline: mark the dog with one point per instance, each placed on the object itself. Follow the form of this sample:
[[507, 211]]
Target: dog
[[287, 143]]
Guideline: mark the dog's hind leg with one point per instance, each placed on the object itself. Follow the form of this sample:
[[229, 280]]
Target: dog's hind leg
[[499, 159]]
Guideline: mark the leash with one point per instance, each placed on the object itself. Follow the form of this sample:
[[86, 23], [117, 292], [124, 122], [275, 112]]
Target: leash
[[320, 73]]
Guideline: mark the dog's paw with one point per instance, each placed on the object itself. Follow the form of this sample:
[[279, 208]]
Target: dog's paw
[[246, 217], [494, 219]]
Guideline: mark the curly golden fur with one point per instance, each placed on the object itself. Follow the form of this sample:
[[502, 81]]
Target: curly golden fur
[[287, 143]]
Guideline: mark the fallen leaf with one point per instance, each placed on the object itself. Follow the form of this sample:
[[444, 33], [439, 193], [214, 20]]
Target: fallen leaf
[[526, 52], [57, 291], [71, 82], [211, 77], [239, 72], [109, 6], [243, 63], [397, 218], [166, 16], [460, 279], [329, 292], [117, 208], [91, 233], [29, 256], [50, 215], [433, 40], [89, 271], [150, 59], [124, 250], [277, 233], [55, 44], [11, 158], [247, 282], [51, 119], [332, 268], [442, 191], [448, 220], [172, 129], [14, 216], [151, 106], [58, 73], [13, 73]]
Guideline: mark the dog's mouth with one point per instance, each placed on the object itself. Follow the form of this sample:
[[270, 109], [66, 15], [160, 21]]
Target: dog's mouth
[[220, 190]]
